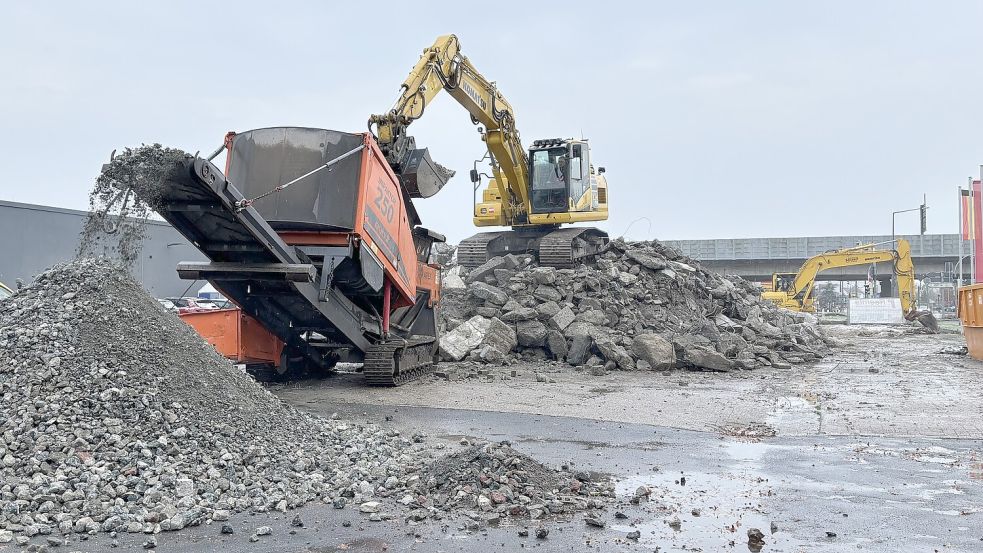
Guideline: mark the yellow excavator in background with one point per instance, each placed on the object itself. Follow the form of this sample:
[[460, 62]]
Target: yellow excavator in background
[[794, 290], [534, 193]]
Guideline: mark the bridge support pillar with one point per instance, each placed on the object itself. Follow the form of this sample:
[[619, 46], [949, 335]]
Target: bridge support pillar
[[887, 287]]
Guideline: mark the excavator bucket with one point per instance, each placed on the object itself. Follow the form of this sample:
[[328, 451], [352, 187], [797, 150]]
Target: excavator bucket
[[421, 176], [927, 320]]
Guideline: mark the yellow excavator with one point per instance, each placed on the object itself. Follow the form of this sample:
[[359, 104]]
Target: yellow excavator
[[534, 191], [794, 290]]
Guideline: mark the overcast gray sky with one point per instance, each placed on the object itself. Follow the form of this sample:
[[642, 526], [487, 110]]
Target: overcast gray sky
[[713, 119]]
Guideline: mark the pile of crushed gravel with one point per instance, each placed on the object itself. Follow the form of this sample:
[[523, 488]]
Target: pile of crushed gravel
[[116, 416], [640, 305], [495, 479]]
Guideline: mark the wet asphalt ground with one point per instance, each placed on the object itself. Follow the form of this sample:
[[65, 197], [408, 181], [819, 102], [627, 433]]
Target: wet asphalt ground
[[805, 489], [821, 493]]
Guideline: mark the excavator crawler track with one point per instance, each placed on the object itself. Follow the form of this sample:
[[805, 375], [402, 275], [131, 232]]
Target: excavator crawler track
[[395, 362], [473, 251], [560, 248], [569, 247]]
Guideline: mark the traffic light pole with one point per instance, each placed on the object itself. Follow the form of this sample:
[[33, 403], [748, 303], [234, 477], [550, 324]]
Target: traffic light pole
[[923, 209], [893, 213]]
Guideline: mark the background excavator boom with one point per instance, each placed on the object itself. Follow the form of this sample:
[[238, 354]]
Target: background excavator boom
[[797, 295]]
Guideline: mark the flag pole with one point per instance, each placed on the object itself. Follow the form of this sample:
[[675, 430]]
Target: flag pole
[[972, 233], [962, 204]]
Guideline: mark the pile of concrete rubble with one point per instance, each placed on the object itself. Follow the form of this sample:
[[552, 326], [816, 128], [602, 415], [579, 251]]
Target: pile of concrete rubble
[[639, 306], [502, 482]]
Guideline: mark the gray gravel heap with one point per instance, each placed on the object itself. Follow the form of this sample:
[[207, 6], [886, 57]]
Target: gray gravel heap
[[640, 305], [497, 481], [116, 416]]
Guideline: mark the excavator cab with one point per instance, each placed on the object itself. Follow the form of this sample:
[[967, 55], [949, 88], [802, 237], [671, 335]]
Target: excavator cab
[[782, 282], [561, 176]]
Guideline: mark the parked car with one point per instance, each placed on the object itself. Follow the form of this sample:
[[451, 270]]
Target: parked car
[[167, 304], [206, 303], [5, 292], [187, 305], [224, 304]]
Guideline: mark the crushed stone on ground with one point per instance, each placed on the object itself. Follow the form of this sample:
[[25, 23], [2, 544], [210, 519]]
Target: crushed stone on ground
[[116, 416], [503, 482]]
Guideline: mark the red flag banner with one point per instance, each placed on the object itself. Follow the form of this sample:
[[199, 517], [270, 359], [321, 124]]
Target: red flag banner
[[967, 211], [977, 232]]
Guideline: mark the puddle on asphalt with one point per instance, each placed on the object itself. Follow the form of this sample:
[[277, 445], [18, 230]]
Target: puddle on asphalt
[[793, 415], [715, 511], [935, 455]]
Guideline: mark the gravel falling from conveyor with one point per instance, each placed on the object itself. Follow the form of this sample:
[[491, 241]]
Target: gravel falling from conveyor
[[122, 199]]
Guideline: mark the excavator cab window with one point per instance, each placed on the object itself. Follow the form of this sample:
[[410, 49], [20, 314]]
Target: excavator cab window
[[784, 281], [550, 182], [579, 177]]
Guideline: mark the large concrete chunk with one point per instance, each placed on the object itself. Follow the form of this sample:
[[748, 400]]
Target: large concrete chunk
[[500, 336], [647, 261], [731, 344], [655, 350], [592, 316], [545, 292], [502, 276], [547, 309], [486, 269], [452, 280], [562, 319], [458, 343], [512, 261], [579, 328], [579, 349], [544, 275], [520, 314], [531, 333], [489, 293], [614, 352], [557, 344], [703, 357]]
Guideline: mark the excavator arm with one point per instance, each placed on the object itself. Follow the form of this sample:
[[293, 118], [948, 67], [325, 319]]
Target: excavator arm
[[798, 294], [443, 67], [805, 279]]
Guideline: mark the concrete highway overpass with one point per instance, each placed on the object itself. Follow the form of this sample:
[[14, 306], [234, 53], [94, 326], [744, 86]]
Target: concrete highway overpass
[[934, 255]]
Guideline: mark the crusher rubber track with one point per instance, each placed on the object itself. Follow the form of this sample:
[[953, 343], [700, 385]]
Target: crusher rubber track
[[561, 248], [396, 362]]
